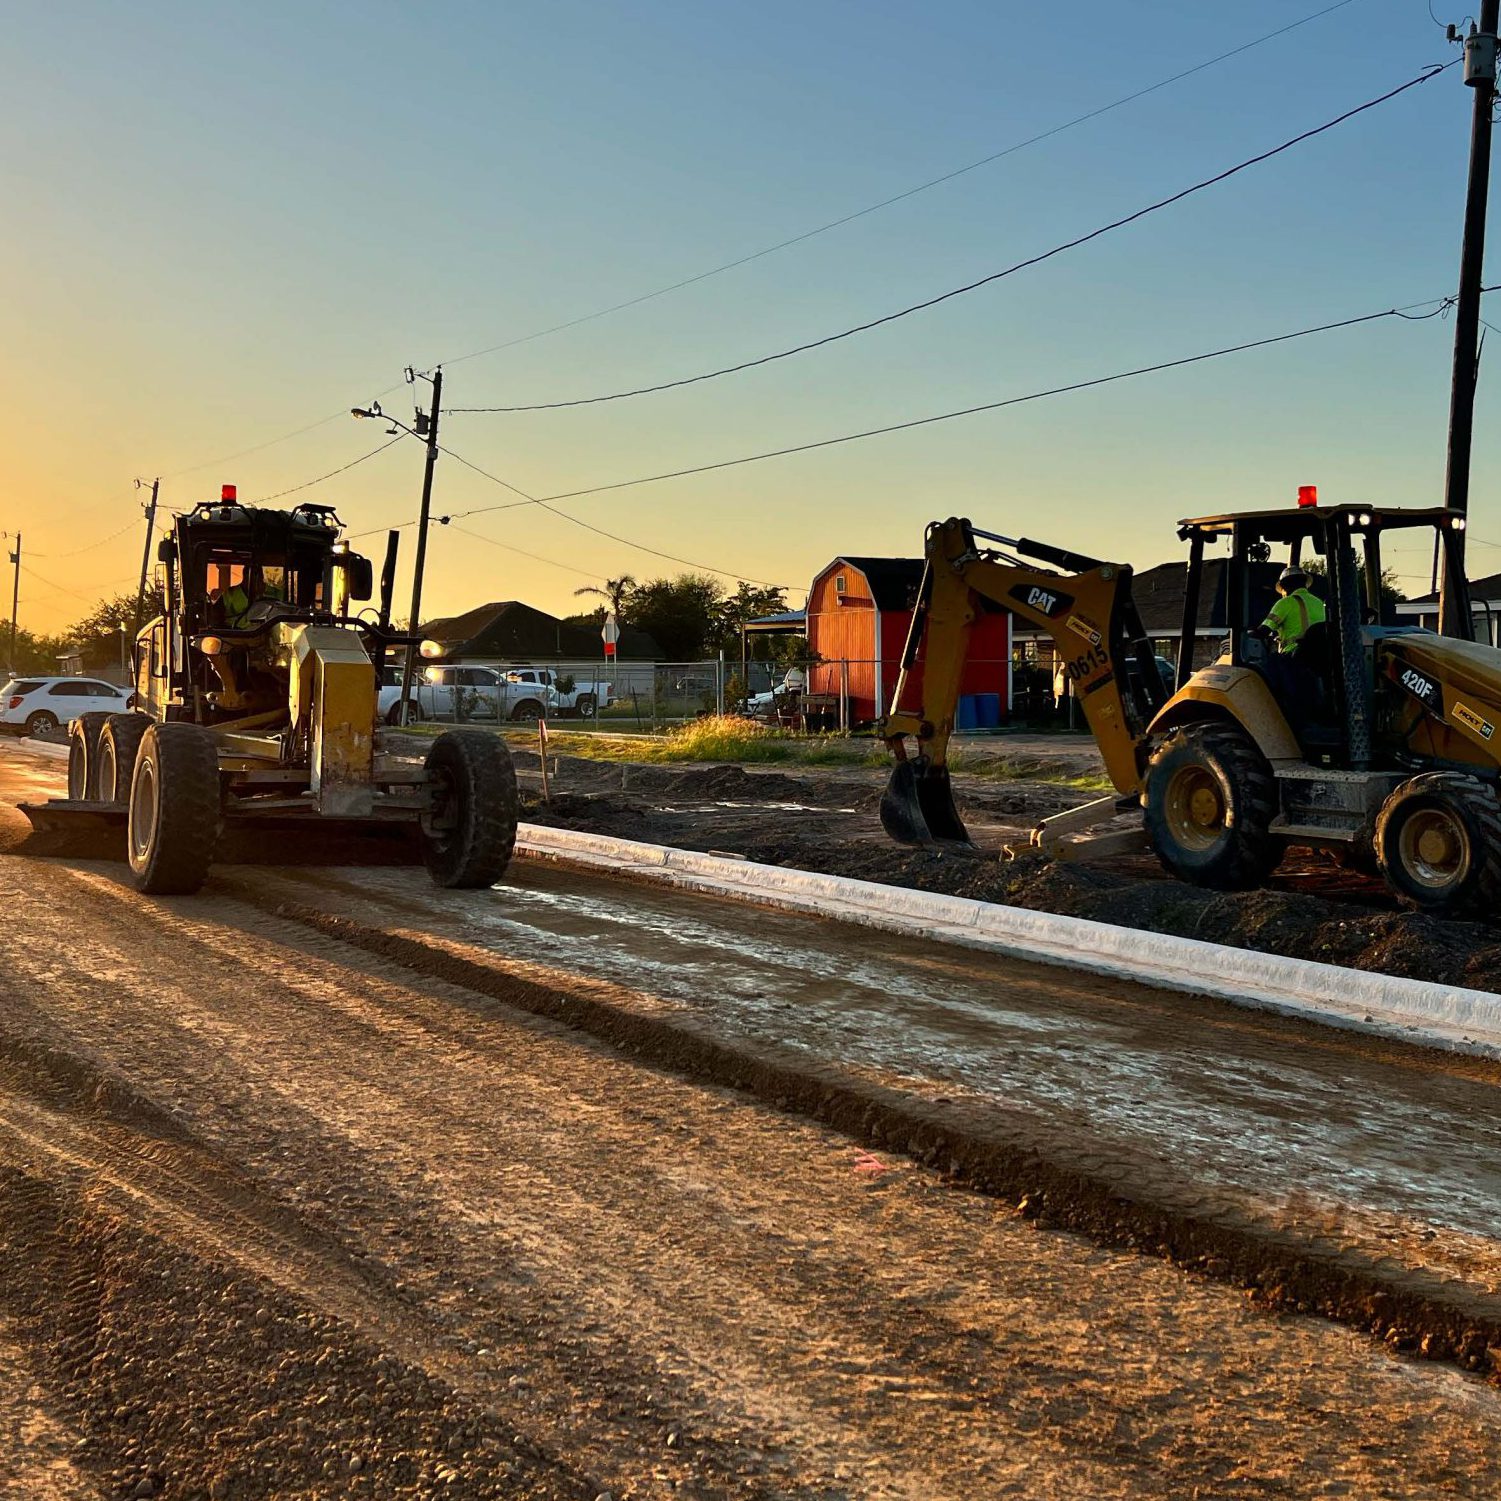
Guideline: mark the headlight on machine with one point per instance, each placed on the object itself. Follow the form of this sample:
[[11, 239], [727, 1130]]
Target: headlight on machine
[[431, 649], [210, 646]]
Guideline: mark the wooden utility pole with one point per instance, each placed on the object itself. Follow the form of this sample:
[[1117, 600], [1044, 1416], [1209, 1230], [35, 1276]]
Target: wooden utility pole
[[135, 624], [1454, 617], [408, 671], [15, 602]]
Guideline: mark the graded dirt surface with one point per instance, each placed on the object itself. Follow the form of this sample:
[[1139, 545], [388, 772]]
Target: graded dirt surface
[[302, 1194]]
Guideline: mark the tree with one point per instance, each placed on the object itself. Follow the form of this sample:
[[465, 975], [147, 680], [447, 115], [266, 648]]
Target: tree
[[1391, 586], [679, 613], [748, 602], [616, 591], [97, 635]]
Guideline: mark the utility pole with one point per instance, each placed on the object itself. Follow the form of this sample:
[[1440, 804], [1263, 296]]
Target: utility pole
[[427, 427], [1480, 74], [135, 624], [15, 602]]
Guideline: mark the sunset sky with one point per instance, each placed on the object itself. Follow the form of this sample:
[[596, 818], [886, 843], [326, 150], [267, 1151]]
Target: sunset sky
[[227, 222]]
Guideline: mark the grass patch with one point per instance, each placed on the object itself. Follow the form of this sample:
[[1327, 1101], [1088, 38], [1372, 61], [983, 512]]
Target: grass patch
[[731, 738]]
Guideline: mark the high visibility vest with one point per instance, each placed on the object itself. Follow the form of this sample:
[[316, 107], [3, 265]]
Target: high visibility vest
[[237, 601], [1291, 616]]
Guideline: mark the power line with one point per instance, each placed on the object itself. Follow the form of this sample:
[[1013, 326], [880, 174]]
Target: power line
[[588, 526], [296, 432], [129, 526], [906, 193], [989, 406], [509, 547], [983, 281], [308, 484]]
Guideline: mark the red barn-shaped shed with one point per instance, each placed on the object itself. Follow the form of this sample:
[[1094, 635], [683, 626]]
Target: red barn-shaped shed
[[859, 611]]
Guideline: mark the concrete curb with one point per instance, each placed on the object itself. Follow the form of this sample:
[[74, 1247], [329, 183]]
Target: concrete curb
[[1416, 1011]]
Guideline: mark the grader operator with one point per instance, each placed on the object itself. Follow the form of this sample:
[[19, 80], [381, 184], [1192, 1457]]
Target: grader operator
[[1383, 749], [256, 699]]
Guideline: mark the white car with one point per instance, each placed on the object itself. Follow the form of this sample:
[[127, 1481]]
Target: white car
[[36, 706]]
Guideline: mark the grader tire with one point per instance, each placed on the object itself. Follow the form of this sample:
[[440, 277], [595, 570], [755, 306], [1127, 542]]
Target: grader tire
[[118, 747], [1438, 839], [1210, 801], [83, 756], [470, 832], [173, 824]]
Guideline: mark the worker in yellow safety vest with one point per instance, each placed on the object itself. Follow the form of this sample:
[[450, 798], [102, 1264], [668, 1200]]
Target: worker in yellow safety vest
[[1298, 608], [237, 600]]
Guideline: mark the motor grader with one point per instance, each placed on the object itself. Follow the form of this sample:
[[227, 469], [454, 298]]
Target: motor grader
[[256, 707], [1377, 742]]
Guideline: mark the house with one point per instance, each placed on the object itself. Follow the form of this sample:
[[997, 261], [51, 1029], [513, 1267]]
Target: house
[[858, 614], [1485, 606], [508, 633]]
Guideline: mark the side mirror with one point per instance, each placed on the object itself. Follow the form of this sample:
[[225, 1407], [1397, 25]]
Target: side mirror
[[361, 577], [166, 551]]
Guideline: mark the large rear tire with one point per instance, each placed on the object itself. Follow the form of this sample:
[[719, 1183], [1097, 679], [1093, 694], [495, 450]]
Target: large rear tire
[[470, 831], [1438, 838], [118, 747], [173, 825], [1210, 801], [83, 756]]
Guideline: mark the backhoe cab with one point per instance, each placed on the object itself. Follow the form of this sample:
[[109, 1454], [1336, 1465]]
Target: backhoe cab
[[256, 702], [1377, 743]]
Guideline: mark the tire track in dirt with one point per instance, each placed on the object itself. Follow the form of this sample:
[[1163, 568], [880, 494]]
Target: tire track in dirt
[[1056, 1175], [668, 1230]]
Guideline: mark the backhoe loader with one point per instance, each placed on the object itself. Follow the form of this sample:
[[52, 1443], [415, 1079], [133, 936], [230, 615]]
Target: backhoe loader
[[256, 705], [1378, 743]]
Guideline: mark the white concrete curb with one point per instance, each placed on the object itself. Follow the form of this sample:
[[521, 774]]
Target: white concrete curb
[[1414, 1010]]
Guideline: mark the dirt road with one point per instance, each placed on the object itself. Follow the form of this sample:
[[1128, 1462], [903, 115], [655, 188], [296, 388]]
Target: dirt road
[[284, 1216]]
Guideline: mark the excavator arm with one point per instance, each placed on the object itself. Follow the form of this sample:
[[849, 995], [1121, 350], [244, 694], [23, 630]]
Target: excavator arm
[[1085, 606]]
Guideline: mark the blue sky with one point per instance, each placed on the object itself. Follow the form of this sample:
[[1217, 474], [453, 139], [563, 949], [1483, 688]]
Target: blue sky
[[231, 221]]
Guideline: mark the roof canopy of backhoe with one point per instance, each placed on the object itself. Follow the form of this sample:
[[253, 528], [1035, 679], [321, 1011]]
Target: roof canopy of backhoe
[[1289, 523]]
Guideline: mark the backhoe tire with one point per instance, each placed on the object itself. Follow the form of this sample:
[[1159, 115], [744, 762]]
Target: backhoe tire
[[173, 824], [1438, 838], [118, 747], [470, 832], [83, 756], [1210, 801]]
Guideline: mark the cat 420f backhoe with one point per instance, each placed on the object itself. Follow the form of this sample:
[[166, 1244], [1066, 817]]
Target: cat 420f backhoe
[[1379, 743], [255, 708]]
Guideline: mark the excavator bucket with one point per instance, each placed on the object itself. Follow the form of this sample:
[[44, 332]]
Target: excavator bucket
[[918, 806]]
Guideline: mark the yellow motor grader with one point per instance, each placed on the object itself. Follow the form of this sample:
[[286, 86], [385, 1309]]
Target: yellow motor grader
[[1379, 742], [256, 704]]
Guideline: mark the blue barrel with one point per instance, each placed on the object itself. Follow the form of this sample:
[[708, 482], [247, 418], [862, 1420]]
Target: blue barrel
[[969, 718], [988, 710]]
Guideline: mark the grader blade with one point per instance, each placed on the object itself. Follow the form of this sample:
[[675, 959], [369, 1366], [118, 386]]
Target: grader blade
[[918, 806]]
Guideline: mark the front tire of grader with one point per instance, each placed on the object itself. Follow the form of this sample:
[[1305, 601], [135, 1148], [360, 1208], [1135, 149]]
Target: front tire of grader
[[119, 745], [173, 823], [470, 831], [1438, 839], [1210, 801], [83, 756]]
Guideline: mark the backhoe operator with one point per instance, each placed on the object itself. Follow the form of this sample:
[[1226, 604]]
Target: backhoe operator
[[1299, 607]]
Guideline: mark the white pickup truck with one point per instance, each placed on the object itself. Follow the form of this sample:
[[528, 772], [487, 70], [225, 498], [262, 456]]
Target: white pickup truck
[[464, 693], [581, 697]]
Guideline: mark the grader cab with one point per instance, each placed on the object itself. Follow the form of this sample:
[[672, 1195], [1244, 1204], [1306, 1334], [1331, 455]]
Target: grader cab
[[256, 702]]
